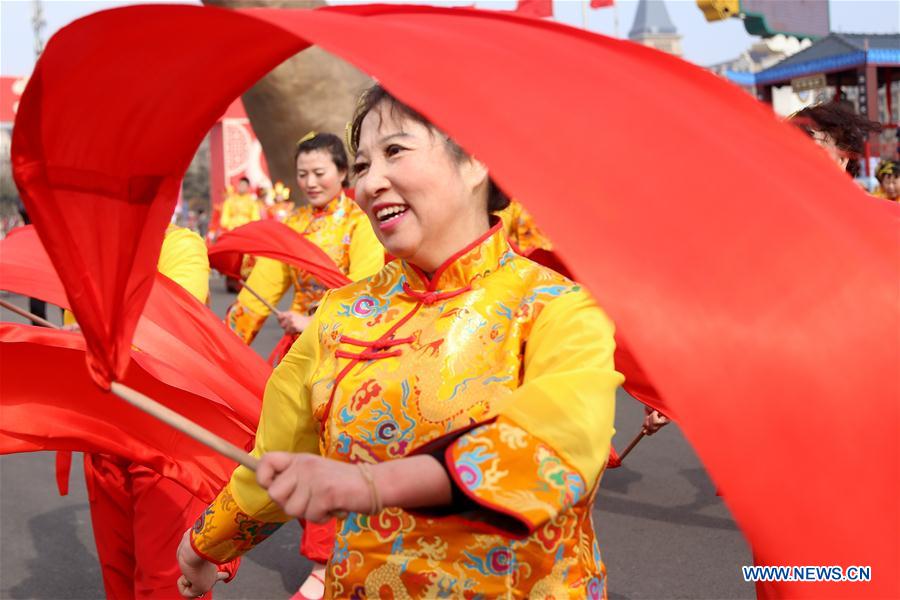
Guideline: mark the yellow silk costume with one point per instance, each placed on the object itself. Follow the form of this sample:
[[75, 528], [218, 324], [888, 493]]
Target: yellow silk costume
[[880, 193], [184, 260], [502, 366], [342, 230], [237, 210], [522, 231]]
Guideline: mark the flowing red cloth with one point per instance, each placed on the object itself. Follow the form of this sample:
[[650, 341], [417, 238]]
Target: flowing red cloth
[[766, 318], [127, 498], [175, 328], [38, 411], [273, 240], [26, 269]]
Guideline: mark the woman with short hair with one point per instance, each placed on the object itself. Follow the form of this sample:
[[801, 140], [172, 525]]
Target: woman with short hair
[[455, 410]]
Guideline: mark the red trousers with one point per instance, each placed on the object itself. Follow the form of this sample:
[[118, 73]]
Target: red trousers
[[317, 542], [139, 518]]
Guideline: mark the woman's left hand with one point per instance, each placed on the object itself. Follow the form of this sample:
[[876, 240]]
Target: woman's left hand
[[292, 322], [310, 487], [198, 576]]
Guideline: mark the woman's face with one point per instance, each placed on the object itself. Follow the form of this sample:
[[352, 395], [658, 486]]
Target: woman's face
[[890, 183], [318, 177], [423, 204]]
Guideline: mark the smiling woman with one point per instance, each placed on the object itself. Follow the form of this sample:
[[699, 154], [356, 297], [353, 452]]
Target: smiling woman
[[330, 220], [455, 410], [417, 184]]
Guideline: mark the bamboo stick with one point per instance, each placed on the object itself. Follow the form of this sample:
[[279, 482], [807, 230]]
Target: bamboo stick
[[631, 446], [184, 425], [28, 315], [258, 297]]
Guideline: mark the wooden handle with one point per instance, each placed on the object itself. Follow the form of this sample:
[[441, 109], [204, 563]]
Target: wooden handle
[[184, 425], [258, 297], [631, 446], [30, 316]]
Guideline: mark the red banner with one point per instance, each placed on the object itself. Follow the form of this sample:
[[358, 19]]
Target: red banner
[[273, 240], [174, 328], [65, 410]]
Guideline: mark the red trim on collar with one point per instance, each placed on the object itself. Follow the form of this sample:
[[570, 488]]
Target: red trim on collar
[[431, 284]]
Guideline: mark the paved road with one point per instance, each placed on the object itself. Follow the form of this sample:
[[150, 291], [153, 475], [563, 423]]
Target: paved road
[[663, 531]]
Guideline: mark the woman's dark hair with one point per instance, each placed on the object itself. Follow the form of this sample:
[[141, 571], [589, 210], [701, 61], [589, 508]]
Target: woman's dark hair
[[838, 119], [325, 141], [375, 95]]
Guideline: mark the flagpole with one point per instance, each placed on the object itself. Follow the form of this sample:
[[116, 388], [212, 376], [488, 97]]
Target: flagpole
[[631, 446], [28, 315], [265, 302], [184, 425], [584, 14]]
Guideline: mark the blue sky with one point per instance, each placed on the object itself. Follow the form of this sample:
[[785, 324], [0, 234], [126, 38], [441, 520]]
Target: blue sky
[[704, 43]]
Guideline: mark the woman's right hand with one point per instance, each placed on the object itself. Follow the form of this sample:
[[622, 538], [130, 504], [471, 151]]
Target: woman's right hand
[[654, 421], [292, 322], [198, 576]]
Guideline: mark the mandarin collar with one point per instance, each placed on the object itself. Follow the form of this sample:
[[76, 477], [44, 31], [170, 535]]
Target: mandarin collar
[[476, 260], [330, 208]]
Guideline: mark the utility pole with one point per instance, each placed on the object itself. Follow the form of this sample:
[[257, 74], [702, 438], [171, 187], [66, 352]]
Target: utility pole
[[38, 23]]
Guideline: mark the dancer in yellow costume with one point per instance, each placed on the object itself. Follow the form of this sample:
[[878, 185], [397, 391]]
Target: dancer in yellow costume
[[240, 208], [888, 176], [183, 259], [333, 222], [454, 410], [281, 206], [523, 233]]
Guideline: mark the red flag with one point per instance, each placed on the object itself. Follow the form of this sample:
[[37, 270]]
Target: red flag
[[175, 328], [65, 410], [749, 313], [602, 3], [273, 240], [100, 198], [535, 8]]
